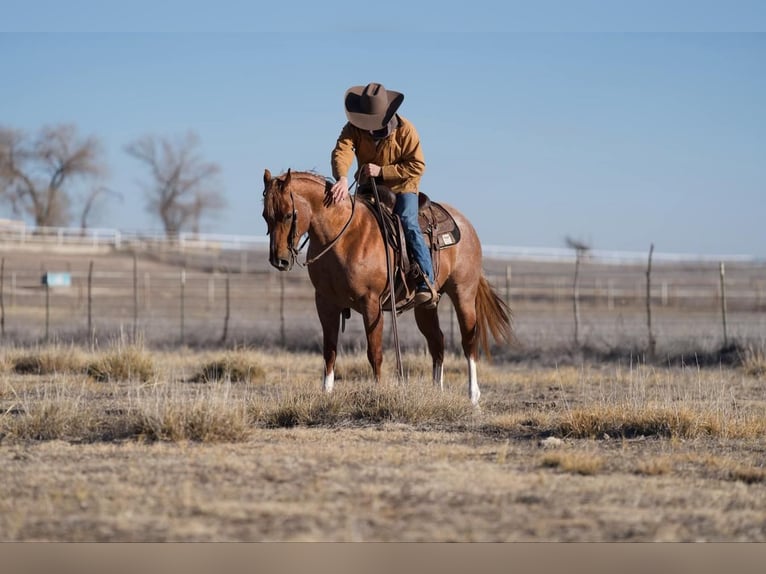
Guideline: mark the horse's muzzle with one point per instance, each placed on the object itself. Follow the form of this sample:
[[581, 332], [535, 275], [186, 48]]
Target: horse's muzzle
[[280, 263]]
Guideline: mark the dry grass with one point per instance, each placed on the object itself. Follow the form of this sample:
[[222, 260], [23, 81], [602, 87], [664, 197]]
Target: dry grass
[[582, 463], [368, 403], [754, 361], [122, 363], [235, 366], [640, 448], [47, 361]]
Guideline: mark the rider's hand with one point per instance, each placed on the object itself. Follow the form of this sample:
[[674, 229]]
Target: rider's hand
[[339, 190], [371, 170]]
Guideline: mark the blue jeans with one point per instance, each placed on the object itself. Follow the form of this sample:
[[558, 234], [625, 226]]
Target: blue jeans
[[406, 207]]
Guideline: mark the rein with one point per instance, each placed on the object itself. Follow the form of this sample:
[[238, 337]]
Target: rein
[[291, 236]]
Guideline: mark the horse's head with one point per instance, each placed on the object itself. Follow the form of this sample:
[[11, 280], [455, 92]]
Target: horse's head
[[281, 215]]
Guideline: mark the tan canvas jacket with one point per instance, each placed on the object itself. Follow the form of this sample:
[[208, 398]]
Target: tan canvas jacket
[[400, 155]]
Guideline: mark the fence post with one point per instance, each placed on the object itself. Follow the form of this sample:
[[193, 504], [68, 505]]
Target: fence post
[[723, 305], [147, 291], [508, 285], [135, 295], [91, 332], [2, 298], [228, 309], [576, 299], [47, 309], [183, 302], [652, 342]]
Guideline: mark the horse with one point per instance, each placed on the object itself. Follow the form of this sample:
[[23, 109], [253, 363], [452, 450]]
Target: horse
[[347, 265]]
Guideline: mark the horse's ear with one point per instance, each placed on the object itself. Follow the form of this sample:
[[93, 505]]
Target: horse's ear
[[287, 178], [266, 177]]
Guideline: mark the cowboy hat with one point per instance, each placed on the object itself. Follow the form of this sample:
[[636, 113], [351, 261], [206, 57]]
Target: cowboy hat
[[371, 107]]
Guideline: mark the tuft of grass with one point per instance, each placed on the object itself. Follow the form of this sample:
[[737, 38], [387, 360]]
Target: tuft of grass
[[124, 363], [656, 466], [368, 404], [629, 422], [198, 423], [237, 367], [585, 464], [48, 361], [754, 361], [747, 474]]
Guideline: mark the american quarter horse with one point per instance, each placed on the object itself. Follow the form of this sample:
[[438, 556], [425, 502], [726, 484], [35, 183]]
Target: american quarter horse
[[346, 263]]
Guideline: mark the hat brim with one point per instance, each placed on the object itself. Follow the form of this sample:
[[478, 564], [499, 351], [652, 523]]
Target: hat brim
[[367, 121]]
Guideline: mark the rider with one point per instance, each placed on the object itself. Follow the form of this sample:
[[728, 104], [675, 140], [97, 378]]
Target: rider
[[387, 148]]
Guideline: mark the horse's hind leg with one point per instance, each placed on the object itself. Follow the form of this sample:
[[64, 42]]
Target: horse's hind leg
[[329, 317], [428, 323], [465, 308]]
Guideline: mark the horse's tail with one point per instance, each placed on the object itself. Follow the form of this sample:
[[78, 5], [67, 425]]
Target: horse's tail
[[493, 315]]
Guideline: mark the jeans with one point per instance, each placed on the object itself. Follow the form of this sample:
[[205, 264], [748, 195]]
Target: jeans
[[406, 208]]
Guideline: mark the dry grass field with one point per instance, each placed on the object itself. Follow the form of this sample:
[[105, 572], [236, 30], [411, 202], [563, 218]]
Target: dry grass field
[[126, 443]]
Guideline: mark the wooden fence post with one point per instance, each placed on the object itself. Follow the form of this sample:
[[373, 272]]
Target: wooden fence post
[[135, 296], [2, 299], [91, 332], [47, 309], [183, 302], [228, 309], [576, 299], [723, 306], [652, 342]]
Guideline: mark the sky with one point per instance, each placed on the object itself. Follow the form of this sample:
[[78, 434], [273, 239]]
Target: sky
[[620, 131]]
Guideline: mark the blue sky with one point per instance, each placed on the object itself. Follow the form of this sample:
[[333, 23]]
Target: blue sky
[[621, 133]]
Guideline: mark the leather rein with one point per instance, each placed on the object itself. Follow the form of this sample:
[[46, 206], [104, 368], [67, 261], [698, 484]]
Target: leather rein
[[292, 233]]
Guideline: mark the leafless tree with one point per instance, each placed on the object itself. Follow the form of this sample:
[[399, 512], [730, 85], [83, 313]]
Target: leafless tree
[[183, 188], [38, 173], [91, 199]]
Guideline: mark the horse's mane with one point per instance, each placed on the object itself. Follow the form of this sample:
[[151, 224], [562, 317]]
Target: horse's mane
[[311, 175], [269, 199]]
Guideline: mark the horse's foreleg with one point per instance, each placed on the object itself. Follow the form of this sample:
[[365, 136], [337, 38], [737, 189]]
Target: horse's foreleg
[[428, 323], [329, 317], [372, 315]]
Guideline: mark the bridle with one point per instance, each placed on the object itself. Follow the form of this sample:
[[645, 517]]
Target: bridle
[[291, 235]]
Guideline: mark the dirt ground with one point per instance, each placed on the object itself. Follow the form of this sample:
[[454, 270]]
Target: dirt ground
[[377, 484], [683, 459]]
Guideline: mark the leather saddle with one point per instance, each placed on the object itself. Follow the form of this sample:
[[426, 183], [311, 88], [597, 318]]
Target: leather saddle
[[440, 231]]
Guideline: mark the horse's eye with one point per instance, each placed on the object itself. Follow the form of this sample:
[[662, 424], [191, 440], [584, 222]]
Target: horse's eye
[[287, 216]]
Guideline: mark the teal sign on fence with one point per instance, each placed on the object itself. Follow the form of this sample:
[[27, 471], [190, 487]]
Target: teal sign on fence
[[57, 279]]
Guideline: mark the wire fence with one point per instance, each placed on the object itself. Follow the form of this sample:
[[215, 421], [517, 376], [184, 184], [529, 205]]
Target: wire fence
[[229, 297]]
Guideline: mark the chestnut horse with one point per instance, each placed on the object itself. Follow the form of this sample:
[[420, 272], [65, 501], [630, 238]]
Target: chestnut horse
[[347, 265]]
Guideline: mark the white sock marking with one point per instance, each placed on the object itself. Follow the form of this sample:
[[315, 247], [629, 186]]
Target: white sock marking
[[439, 375], [328, 382], [473, 382]]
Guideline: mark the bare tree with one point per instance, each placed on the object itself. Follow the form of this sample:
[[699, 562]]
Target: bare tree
[[38, 174], [184, 188], [91, 199]]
